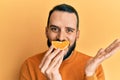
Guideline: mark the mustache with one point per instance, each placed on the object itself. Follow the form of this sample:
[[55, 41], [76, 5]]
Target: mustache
[[60, 40]]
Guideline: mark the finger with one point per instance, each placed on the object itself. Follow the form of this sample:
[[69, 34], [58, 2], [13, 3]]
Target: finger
[[114, 45], [99, 52], [48, 60], [57, 66], [56, 61], [110, 50], [48, 52]]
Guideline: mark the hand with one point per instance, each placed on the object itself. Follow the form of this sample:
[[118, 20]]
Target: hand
[[51, 63], [102, 55]]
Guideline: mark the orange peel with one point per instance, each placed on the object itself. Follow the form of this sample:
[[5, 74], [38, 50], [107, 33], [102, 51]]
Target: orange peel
[[60, 45]]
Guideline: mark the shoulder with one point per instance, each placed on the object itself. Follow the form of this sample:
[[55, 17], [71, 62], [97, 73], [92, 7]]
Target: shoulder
[[35, 59], [82, 56]]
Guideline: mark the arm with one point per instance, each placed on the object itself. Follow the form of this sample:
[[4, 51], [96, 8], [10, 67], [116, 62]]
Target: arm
[[102, 55], [24, 72], [30, 72]]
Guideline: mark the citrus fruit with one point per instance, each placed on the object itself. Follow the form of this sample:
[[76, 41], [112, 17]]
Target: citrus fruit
[[61, 45]]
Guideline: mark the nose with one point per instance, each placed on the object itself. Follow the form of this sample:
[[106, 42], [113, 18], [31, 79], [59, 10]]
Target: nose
[[61, 36]]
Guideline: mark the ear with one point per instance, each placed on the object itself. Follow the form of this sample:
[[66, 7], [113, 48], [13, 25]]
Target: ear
[[78, 34]]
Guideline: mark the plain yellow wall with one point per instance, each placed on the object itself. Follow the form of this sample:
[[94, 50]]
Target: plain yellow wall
[[22, 24]]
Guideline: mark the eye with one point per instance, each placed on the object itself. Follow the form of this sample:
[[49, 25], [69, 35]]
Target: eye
[[70, 30], [54, 29]]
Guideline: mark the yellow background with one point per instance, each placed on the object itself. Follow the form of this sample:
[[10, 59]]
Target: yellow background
[[22, 25]]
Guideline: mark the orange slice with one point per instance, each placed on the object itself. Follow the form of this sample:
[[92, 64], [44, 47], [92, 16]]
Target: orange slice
[[60, 45]]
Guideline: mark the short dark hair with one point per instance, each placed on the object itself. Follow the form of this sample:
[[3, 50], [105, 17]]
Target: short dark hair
[[66, 8]]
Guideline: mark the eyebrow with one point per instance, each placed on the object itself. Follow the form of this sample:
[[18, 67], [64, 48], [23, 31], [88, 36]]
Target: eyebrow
[[65, 27], [54, 26], [70, 28]]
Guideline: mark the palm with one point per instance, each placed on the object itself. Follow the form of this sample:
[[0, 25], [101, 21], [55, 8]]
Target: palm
[[102, 55]]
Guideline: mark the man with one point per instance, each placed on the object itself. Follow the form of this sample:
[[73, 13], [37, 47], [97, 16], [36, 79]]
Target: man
[[67, 64]]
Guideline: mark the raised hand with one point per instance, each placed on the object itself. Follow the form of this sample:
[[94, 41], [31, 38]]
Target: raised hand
[[102, 55], [51, 63]]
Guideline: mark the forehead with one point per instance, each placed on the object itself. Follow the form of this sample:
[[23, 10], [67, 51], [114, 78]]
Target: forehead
[[61, 18]]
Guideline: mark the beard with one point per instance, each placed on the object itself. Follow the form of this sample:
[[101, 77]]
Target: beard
[[70, 49]]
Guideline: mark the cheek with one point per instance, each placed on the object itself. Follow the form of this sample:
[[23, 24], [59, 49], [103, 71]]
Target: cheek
[[72, 39], [51, 36]]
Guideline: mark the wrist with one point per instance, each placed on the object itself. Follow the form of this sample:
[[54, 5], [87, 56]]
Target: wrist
[[89, 73]]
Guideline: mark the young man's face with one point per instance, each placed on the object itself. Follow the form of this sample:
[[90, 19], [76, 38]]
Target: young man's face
[[62, 26]]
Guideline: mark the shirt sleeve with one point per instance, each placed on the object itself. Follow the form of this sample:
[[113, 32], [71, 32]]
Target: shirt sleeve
[[29, 72], [24, 72], [99, 75]]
